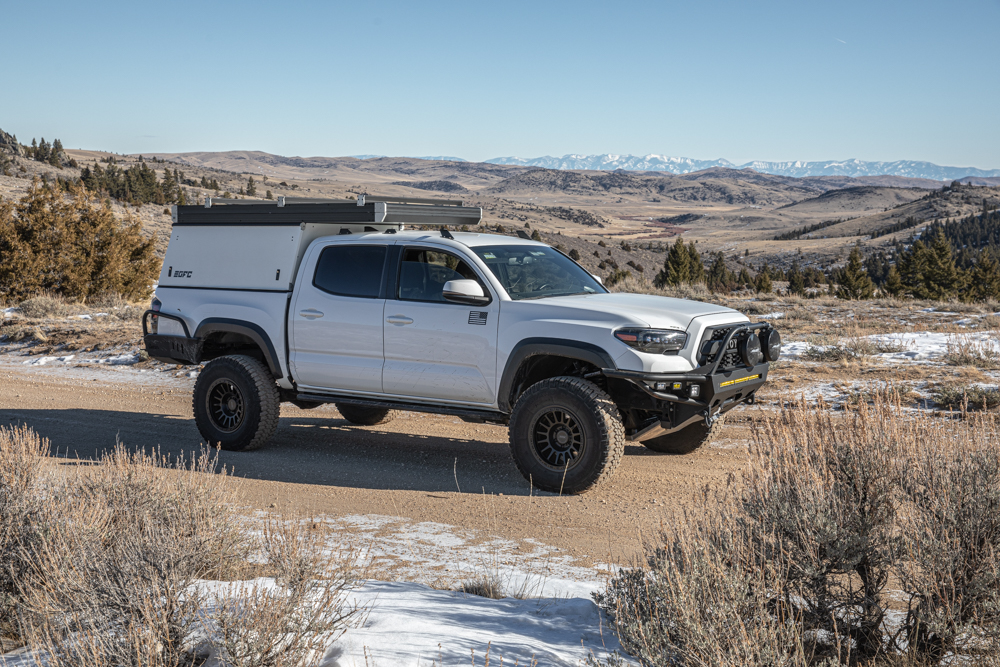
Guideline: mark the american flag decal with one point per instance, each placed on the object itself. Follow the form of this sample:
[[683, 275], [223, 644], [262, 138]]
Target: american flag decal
[[478, 317]]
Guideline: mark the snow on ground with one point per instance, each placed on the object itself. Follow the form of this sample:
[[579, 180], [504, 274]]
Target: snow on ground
[[434, 553], [922, 346]]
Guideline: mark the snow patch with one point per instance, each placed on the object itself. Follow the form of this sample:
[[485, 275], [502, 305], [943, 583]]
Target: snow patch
[[41, 361], [89, 316]]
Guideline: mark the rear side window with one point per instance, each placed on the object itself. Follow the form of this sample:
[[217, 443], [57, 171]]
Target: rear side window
[[351, 270]]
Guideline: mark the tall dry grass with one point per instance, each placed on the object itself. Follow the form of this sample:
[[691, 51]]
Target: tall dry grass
[[868, 537], [107, 565]]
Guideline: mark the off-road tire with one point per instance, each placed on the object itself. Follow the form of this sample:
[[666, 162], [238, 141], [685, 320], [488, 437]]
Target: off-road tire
[[236, 403], [365, 416], [588, 418], [684, 441]]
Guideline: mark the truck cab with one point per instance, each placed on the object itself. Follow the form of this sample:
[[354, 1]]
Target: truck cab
[[338, 302]]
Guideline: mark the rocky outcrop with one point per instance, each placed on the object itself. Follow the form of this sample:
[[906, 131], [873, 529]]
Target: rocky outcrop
[[9, 144]]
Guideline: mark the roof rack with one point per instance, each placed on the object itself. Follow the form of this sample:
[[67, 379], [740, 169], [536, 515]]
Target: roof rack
[[376, 210]]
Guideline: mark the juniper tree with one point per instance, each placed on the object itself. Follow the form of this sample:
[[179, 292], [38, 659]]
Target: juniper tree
[[251, 187]]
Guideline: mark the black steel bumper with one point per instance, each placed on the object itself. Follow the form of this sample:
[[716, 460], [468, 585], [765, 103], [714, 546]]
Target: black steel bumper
[[183, 350], [668, 395]]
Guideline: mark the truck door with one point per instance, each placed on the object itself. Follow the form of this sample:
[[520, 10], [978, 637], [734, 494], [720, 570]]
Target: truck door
[[435, 348], [335, 326]]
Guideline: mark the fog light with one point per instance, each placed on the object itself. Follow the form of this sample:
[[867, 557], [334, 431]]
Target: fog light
[[750, 350], [677, 386], [694, 391], [661, 386]]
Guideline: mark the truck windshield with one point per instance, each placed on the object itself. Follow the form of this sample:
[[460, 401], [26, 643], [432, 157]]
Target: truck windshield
[[532, 272]]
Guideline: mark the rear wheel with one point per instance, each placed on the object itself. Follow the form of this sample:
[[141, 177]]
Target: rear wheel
[[684, 441], [236, 403], [566, 435], [365, 416]]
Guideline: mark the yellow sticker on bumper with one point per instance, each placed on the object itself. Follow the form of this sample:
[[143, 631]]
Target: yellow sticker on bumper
[[746, 379]]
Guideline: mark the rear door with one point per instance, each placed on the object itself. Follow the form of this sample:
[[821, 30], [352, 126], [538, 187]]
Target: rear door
[[336, 318], [434, 348]]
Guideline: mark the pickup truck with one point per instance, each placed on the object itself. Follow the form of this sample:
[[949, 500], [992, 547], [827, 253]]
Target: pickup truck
[[315, 302]]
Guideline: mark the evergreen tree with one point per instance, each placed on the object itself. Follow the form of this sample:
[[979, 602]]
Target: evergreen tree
[[56, 154], [763, 283], [696, 269], [251, 187], [205, 184], [535, 236], [745, 280], [984, 283], [720, 278], [168, 186], [941, 277], [676, 267], [912, 265], [854, 281], [893, 283], [268, 195], [796, 281]]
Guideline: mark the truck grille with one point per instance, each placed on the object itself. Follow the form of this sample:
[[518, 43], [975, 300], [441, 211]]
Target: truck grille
[[730, 358]]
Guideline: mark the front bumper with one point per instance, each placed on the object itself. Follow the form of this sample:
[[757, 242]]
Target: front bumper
[[666, 411]]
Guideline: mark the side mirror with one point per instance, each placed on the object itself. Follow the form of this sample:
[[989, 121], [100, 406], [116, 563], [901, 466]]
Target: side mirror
[[468, 292], [597, 278]]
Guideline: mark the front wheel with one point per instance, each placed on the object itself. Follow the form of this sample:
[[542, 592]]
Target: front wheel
[[236, 403], [566, 435], [684, 441]]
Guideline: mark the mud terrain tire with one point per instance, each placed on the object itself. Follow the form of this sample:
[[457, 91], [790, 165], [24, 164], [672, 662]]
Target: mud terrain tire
[[236, 403], [365, 416], [684, 441], [566, 435]]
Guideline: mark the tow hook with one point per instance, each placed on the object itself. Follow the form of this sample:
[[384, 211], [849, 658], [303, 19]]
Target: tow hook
[[710, 419]]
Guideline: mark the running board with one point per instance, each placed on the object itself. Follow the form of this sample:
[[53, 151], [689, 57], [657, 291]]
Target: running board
[[465, 413]]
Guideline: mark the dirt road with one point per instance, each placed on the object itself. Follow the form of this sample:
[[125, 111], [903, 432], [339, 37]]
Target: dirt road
[[419, 467]]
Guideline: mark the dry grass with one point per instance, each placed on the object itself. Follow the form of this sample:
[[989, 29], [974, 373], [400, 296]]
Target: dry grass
[[975, 352], [837, 522], [106, 566], [47, 306], [972, 397]]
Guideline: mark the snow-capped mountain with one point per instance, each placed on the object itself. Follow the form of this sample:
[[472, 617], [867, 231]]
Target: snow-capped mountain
[[683, 165]]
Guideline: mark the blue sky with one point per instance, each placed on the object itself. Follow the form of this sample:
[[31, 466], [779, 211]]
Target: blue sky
[[739, 80]]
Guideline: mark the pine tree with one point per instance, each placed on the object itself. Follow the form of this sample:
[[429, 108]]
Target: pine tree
[[941, 276], [720, 278], [676, 267], [744, 279], [696, 269], [56, 154], [796, 281], [763, 283], [854, 281], [251, 187], [984, 283], [893, 283], [912, 265], [268, 195], [535, 236]]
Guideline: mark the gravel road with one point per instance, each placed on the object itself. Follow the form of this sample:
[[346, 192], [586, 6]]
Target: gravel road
[[419, 467]]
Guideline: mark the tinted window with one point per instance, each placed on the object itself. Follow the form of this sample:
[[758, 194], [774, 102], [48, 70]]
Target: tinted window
[[350, 270], [424, 272], [535, 271]]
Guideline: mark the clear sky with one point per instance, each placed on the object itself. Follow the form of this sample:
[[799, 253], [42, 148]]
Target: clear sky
[[740, 80]]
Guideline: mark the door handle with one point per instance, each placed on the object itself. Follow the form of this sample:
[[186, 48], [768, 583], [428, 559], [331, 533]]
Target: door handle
[[399, 320], [311, 313]]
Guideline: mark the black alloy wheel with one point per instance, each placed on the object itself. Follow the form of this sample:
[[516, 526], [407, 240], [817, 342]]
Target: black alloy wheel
[[236, 403], [557, 438], [226, 407], [566, 435]]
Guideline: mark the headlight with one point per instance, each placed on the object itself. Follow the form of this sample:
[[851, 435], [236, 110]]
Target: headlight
[[750, 350], [653, 341], [772, 345]]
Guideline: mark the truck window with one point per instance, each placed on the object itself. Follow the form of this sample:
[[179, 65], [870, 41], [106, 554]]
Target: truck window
[[350, 270], [424, 273]]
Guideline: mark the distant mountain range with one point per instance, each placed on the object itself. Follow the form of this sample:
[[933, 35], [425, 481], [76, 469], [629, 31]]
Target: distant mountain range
[[797, 169]]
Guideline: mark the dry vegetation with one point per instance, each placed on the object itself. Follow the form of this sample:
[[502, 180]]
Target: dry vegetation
[[871, 538], [107, 565]]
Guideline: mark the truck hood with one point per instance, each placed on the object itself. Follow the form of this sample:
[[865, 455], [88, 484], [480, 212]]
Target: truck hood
[[658, 312]]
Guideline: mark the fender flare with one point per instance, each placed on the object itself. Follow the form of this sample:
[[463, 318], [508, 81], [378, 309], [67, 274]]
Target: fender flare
[[533, 347], [253, 331]]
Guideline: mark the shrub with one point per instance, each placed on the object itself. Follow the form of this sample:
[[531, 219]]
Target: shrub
[[71, 247], [46, 306], [967, 398], [967, 351], [793, 565]]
